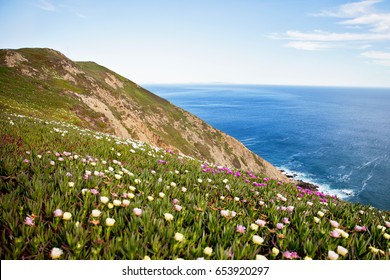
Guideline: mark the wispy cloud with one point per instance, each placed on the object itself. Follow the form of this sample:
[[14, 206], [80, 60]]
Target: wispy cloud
[[366, 28], [309, 46], [46, 5]]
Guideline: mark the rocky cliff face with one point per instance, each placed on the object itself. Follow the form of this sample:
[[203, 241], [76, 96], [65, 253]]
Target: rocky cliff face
[[45, 83]]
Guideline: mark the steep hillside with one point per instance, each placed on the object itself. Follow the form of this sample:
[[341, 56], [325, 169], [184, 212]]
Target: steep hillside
[[44, 83]]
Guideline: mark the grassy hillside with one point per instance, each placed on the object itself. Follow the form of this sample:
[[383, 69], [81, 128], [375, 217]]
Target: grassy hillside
[[44, 83], [72, 193]]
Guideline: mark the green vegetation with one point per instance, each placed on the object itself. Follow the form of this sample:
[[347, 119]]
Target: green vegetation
[[73, 193]]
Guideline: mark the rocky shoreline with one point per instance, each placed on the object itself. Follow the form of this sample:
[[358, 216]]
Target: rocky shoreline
[[302, 184]]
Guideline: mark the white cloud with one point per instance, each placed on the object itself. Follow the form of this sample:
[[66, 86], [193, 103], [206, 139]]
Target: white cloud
[[378, 57], [46, 5], [350, 10], [377, 22], [324, 36], [308, 45]]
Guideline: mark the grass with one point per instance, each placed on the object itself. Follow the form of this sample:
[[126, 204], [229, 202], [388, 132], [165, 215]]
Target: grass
[[48, 165]]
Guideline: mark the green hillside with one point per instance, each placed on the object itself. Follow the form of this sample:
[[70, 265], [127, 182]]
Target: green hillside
[[72, 193]]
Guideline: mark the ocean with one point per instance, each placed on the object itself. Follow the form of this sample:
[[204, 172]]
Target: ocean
[[337, 138]]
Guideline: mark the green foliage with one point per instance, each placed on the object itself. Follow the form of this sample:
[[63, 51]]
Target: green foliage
[[49, 165]]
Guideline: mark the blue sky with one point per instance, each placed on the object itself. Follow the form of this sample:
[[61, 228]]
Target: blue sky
[[289, 42]]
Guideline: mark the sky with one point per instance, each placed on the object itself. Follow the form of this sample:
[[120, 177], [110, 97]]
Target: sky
[[277, 42]]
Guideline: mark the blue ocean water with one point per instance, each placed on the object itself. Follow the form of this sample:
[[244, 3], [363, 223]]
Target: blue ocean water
[[337, 138]]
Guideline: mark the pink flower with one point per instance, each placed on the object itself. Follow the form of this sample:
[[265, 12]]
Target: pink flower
[[290, 255], [334, 224], [94, 191], [58, 213], [29, 221], [290, 208], [279, 226], [359, 228], [175, 201], [177, 207], [286, 221], [240, 229], [335, 234], [26, 161], [137, 211]]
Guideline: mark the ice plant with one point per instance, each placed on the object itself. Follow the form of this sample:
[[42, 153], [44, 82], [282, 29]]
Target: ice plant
[[66, 216], [261, 258], [137, 211], [168, 216], [96, 213], [334, 224], [257, 240], [110, 222], [57, 213], [320, 213], [316, 220], [29, 221], [254, 227], [117, 202], [56, 253], [332, 255], [275, 251], [179, 237], [261, 222], [177, 207], [240, 229], [342, 251], [208, 251], [104, 199], [279, 226]]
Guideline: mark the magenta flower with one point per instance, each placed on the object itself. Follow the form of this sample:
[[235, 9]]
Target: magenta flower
[[29, 221], [240, 229], [290, 255]]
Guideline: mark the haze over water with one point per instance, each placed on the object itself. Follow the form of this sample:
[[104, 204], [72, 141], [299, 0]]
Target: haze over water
[[337, 138]]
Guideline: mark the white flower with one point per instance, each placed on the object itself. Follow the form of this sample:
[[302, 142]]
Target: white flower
[[342, 251], [104, 199], [137, 181], [150, 198], [179, 237], [96, 213], [137, 211], [307, 258], [309, 203], [110, 222], [117, 176], [173, 184], [254, 227], [177, 207], [387, 236], [257, 239], [387, 224], [275, 251], [222, 197], [110, 205], [200, 180], [260, 222], [317, 220], [161, 194], [320, 213], [130, 195], [236, 198], [125, 202], [168, 217], [132, 188], [66, 216], [332, 255], [71, 184], [208, 251], [225, 181], [56, 253], [261, 258], [183, 189], [117, 202]]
